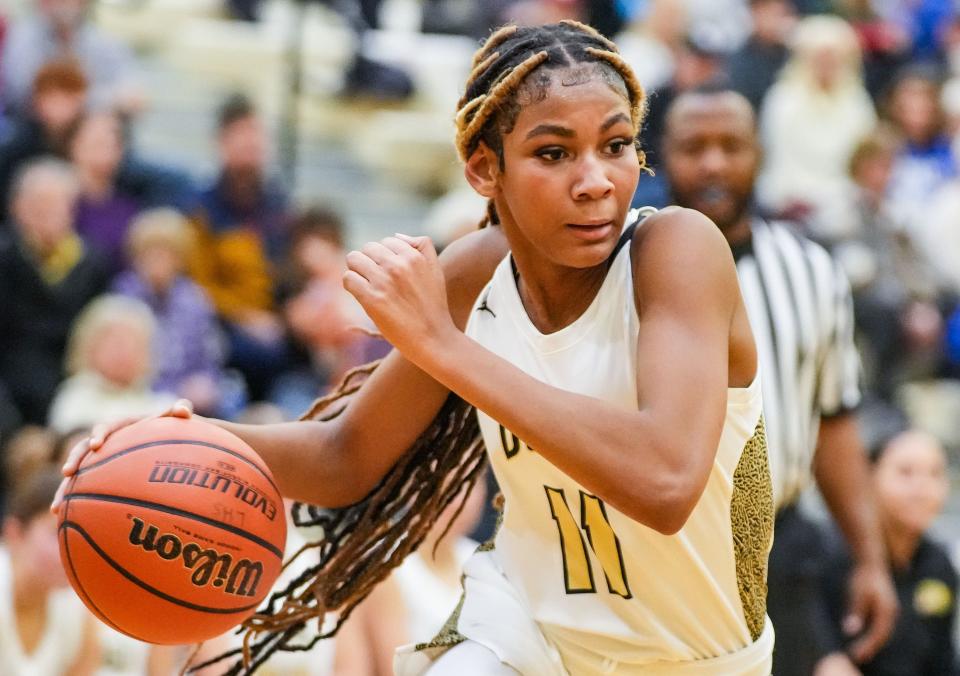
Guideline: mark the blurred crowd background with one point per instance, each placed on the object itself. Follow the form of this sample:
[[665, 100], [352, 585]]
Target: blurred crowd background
[[180, 180]]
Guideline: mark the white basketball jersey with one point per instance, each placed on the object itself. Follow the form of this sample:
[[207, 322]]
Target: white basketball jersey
[[603, 589]]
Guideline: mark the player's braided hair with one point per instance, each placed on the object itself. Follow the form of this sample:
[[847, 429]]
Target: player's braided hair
[[361, 544]]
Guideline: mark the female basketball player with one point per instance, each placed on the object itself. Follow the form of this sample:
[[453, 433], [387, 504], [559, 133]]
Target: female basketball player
[[615, 380]]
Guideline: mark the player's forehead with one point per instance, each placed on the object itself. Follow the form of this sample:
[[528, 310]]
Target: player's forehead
[[584, 97]]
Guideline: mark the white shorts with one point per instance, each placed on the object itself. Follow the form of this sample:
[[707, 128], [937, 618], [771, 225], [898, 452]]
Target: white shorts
[[493, 616]]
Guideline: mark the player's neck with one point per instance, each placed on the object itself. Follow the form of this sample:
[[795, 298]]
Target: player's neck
[[555, 296]]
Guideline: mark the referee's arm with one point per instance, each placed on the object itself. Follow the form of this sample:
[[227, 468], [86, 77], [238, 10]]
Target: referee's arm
[[842, 474]]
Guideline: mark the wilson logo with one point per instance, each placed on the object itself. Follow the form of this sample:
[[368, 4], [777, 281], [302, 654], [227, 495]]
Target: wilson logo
[[187, 476], [208, 565]]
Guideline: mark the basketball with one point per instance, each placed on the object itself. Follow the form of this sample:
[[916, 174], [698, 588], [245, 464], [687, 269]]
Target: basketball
[[173, 532]]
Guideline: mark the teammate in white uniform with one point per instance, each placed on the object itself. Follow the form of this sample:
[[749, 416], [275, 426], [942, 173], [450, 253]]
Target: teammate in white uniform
[[623, 382], [45, 630]]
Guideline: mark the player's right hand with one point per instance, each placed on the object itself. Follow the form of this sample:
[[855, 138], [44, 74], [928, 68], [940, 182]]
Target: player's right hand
[[182, 408]]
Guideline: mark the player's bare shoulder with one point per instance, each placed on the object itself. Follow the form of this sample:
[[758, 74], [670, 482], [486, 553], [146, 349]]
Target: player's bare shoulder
[[468, 264], [677, 243]]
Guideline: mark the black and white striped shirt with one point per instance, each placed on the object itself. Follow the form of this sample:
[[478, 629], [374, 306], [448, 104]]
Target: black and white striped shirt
[[801, 313]]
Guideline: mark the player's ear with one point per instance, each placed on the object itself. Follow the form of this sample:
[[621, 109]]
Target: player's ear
[[482, 170]]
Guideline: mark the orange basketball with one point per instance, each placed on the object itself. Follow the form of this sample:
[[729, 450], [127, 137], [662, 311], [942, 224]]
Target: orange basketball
[[173, 532]]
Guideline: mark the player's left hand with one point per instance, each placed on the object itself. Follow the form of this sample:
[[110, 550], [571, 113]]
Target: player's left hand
[[400, 284], [872, 611]]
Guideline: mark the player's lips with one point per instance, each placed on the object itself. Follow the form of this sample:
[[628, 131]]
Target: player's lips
[[591, 230]]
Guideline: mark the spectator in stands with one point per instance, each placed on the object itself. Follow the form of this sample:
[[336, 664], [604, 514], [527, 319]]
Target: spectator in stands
[[47, 276], [886, 43], [110, 363], [897, 299], [95, 145], [44, 627], [925, 162], [323, 319], [811, 121], [61, 29], [59, 98], [911, 482], [189, 353], [649, 44], [240, 236], [754, 67], [698, 62]]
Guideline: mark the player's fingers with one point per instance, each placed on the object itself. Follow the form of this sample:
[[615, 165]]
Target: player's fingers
[[58, 496], [377, 252], [80, 449], [364, 266], [422, 244], [102, 432], [182, 408], [356, 284], [397, 245]]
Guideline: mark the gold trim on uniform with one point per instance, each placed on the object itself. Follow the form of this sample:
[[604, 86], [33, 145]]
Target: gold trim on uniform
[[751, 519]]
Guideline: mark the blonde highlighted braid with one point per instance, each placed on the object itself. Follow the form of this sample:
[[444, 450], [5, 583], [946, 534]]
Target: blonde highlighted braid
[[360, 545]]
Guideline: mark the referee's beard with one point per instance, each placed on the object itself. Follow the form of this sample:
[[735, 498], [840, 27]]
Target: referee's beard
[[728, 209]]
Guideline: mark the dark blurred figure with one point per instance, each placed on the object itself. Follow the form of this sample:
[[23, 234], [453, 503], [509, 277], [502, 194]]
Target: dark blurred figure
[[239, 239], [104, 212], [698, 62], [800, 310], [926, 162], [897, 299], [61, 29], [886, 43], [59, 98], [911, 481], [753, 68], [47, 276]]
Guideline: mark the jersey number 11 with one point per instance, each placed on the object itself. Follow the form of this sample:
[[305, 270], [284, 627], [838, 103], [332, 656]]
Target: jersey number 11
[[577, 571]]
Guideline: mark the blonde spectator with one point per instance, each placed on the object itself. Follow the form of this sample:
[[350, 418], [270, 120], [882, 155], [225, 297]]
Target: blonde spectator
[[188, 346], [109, 361], [44, 628], [811, 121]]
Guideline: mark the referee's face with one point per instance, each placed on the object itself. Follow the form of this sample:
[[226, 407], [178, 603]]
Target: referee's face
[[711, 155]]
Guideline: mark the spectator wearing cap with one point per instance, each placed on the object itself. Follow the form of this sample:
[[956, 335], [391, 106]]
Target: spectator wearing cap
[[240, 238], [59, 98], [61, 29]]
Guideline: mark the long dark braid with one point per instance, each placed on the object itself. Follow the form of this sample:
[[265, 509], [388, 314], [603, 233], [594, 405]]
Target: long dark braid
[[360, 545]]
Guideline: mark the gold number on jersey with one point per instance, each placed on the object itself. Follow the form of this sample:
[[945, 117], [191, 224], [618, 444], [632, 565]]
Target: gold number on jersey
[[510, 441], [577, 571]]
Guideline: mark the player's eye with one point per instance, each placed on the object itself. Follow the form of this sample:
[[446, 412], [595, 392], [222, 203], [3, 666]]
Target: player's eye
[[617, 146], [551, 153]]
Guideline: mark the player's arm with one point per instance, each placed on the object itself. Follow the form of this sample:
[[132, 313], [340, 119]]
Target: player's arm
[[337, 463], [652, 464]]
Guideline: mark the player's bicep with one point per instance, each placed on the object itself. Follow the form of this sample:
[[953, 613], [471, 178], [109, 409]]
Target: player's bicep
[[686, 294]]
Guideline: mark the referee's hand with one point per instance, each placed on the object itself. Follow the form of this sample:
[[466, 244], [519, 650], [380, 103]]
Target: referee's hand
[[872, 611]]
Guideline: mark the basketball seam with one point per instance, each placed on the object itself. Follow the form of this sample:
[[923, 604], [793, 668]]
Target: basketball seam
[[140, 583], [182, 442], [79, 586], [119, 499]]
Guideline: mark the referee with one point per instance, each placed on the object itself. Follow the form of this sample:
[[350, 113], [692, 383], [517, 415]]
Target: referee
[[802, 317]]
